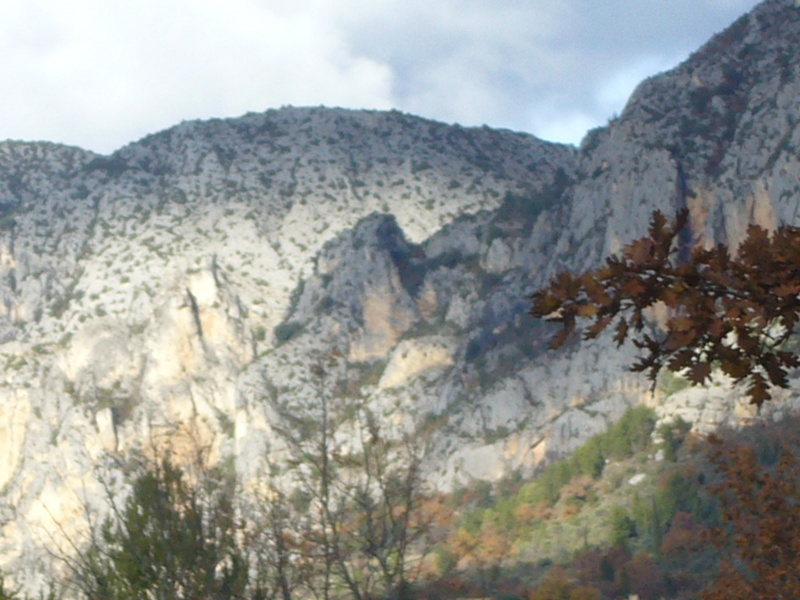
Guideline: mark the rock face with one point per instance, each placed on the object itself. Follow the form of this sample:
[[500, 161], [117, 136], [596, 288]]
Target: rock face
[[177, 293]]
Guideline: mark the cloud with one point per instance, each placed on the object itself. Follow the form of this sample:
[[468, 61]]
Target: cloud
[[107, 73], [100, 74], [552, 67]]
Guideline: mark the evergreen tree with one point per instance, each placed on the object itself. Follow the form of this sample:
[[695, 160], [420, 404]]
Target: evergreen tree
[[172, 539]]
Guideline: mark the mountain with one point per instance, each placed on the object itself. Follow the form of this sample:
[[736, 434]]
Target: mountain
[[180, 292]]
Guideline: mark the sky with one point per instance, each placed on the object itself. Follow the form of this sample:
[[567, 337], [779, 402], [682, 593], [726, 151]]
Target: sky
[[99, 74]]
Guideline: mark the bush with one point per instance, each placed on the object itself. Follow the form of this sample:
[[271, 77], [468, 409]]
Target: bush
[[623, 528], [631, 433], [286, 331], [590, 458], [170, 540], [672, 436]]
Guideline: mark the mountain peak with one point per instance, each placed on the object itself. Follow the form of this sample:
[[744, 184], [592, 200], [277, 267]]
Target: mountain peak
[[181, 286]]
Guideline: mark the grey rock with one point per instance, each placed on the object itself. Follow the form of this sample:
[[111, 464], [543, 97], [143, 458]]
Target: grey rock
[[178, 293]]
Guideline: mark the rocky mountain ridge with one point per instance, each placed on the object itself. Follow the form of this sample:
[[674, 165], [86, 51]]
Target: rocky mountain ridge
[[177, 292]]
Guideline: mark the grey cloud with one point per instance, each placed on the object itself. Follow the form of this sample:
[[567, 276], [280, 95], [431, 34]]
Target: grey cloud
[[528, 65], [100, 74]]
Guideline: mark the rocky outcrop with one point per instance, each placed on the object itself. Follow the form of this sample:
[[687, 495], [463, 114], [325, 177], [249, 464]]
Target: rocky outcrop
[[141, 291], [179, 293]]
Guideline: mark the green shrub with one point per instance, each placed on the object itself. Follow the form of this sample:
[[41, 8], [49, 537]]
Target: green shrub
[[669, 383], [170, 540], [672, 436], [623, 528], [286, 331], [631, 433]]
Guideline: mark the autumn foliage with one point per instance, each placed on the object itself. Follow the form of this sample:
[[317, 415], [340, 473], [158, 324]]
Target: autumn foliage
[[759, 536], [734, 308]]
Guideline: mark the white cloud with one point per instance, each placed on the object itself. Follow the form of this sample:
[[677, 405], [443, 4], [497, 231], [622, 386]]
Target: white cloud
[[100, 74], [552, 67]]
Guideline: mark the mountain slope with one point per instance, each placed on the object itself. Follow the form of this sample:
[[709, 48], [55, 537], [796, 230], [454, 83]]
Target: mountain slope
[[138, 288], [177, 293]]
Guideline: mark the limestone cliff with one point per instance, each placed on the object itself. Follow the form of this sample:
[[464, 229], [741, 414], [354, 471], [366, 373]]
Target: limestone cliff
[[177, 292]]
